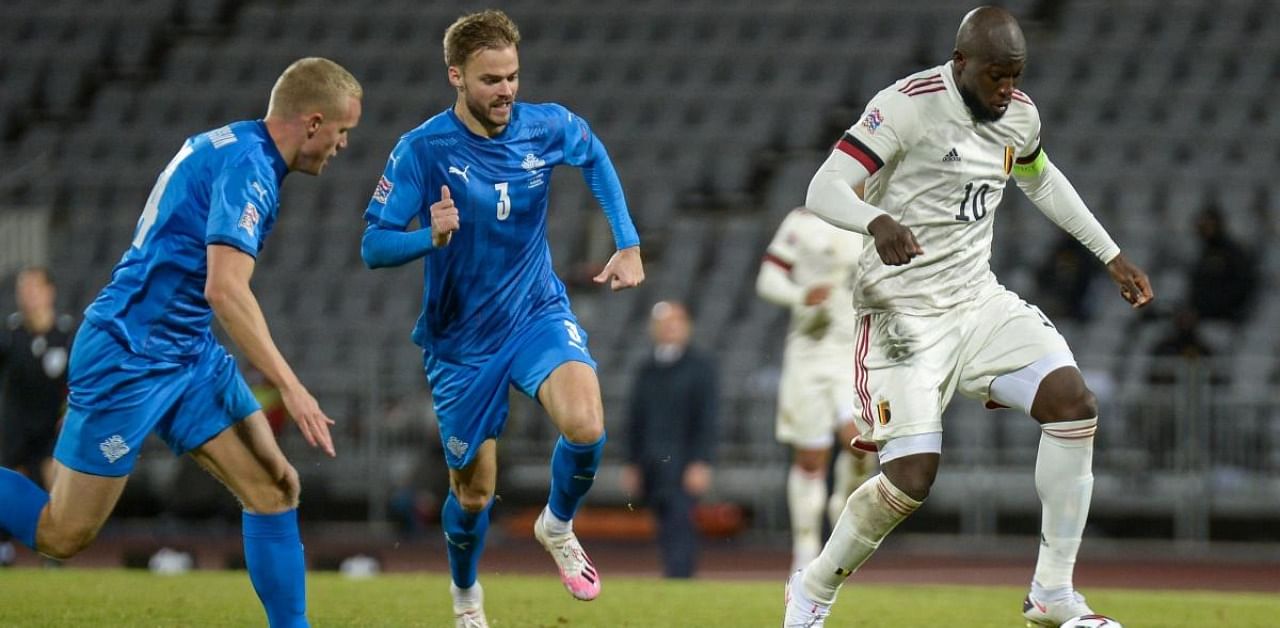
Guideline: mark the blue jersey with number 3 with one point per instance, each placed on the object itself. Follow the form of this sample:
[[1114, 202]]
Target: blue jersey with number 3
[[221, 188], [496, 272]]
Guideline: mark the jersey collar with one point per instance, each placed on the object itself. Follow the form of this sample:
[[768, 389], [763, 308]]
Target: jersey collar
[[273, 152], [515, 118], [953, 92]]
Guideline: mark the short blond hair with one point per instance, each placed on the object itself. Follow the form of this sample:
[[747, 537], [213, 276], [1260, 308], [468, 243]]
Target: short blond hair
[[312, 84], [472, 33]]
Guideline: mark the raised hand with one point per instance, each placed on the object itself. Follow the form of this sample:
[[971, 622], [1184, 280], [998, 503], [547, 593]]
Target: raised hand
[[1134, 285], [444, 219], [311, 420], [894, 242]]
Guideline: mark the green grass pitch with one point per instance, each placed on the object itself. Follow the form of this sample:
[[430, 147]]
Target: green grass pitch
[[72, 597]]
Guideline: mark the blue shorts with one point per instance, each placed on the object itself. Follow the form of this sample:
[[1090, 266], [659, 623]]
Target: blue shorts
[[118, 397], [470, 398]]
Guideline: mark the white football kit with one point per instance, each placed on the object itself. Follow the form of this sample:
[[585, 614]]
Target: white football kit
[[816, 392], [942, 322]]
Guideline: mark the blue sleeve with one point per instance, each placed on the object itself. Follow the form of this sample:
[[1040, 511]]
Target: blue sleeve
[[382, 247], [584, 150], [400, 191], [242, 204]]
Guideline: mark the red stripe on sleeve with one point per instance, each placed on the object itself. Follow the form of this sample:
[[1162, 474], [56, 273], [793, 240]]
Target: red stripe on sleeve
[[868, 161]]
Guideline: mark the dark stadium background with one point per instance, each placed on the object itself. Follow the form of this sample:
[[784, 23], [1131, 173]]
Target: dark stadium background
[[716, 114]]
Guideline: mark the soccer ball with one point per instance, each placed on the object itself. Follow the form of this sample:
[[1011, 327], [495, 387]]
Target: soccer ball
[[1091, 621]]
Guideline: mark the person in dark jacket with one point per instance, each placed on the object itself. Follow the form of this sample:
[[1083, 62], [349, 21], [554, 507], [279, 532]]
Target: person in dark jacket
[[35, 343], [672, 434]]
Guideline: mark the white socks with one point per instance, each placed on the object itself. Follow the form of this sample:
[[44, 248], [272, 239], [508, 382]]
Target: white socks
[[851, 470], [1064, 480], [554, 525], [468, 598], [806, 494], [876, 508]]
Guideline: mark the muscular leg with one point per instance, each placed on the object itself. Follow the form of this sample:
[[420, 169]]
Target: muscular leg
[[466, 513], [873, 510], [1067, 412], [247, 459], [806, 493], [78, 506], [571, 395]]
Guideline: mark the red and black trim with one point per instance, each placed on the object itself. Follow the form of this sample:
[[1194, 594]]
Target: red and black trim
[[923, 84], [1023, 98], [854, 147], [892, 501], [770, 258], [1031, 157], [860, 372]]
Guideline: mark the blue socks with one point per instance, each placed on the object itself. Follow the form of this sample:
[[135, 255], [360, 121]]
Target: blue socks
[[573, 471], [464, 534], [273, 554], [23, 501]]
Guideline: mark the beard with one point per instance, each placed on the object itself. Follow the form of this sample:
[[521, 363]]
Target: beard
[[480, 111], [981, 112]]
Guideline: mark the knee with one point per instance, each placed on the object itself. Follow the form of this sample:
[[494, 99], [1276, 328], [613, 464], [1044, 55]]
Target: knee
[[913, 475], [584, 424], [1074, 405], [63, 542], [472, 500], [279, 494], [811, 461]]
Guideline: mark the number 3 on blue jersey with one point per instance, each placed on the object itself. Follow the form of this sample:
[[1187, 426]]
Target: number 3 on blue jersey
[[504, 201], [149, 211]]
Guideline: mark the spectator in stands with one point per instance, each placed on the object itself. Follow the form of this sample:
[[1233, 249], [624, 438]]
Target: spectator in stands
[[672, 434], [1224, 277], [1184, 341], [1064, 279], [35, 342]]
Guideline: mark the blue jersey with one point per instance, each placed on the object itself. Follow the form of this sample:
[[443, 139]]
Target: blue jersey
[[496, 272], [222, 187]]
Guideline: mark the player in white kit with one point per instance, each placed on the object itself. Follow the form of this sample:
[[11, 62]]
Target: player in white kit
[[810, 267], [935, 151]]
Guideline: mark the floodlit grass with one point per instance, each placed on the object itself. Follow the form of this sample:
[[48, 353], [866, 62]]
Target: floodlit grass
[[73, 597]]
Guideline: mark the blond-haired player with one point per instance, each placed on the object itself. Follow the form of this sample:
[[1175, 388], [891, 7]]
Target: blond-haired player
[[935, 151], [145, 359], [810, 268]]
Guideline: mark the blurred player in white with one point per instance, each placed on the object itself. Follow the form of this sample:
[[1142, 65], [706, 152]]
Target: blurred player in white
[[810, 267], [935, 151]]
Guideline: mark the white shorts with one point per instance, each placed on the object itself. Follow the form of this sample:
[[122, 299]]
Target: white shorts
[[815, 397], [906, 367]]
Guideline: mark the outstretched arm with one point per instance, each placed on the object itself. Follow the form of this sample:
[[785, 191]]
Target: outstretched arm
[[228, 293], [584, 150], [1054, 196], [625, 268]]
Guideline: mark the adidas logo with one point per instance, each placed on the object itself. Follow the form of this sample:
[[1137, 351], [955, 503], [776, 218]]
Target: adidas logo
[[951, 156]]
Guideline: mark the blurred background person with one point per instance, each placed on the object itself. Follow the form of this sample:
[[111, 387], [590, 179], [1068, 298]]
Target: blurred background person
[[671, 434], [809, 268], [1065, 277], [34, 344], [1223, 279]]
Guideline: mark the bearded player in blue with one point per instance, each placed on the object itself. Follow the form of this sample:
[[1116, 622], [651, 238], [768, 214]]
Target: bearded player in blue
[[146, 359], [494, 313]]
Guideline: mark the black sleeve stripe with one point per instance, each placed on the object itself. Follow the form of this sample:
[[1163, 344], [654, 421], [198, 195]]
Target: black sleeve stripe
[[1030, 158]]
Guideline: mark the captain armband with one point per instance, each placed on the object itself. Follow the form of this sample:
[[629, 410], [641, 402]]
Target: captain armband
[[1032, 165]]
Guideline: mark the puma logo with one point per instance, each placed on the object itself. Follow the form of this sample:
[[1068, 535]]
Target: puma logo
[[462, 173]]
